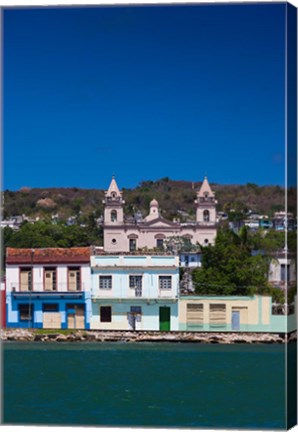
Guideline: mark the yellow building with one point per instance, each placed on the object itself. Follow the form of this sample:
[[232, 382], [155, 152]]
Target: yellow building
[[232, 313]]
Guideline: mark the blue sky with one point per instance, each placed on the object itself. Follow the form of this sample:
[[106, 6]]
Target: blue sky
[[143, 93]]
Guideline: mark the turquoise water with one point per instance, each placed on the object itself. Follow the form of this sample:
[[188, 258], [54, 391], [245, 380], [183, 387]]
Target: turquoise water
[[148, 384]]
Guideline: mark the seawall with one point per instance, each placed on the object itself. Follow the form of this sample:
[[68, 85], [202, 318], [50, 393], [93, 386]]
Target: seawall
[[35, 335]]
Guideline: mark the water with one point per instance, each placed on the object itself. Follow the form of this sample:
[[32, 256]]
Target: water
[[148, 384]]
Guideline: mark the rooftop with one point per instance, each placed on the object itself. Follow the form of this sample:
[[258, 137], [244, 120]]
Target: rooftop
[[48, 255]]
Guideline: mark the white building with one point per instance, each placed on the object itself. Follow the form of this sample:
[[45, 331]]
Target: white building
[[134, 292], [282, 270], [190, 259], [48, 288]]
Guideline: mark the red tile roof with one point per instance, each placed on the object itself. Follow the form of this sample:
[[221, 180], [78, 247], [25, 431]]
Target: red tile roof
[[48, 255]]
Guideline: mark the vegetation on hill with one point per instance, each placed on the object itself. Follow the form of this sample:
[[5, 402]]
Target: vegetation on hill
[[230, 266], [176, 199]]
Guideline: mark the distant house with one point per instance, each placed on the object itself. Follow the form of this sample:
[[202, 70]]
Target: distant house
[[252, 223], [265, 224], [283, 220], [282, 270], [134, 292], [48, 288], [14, 222], [190, 259]]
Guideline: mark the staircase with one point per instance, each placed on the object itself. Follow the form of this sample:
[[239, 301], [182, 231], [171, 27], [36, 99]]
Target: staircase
[[186, 285]]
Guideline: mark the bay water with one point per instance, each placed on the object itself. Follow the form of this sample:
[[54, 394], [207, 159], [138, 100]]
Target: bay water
[[144, 385]]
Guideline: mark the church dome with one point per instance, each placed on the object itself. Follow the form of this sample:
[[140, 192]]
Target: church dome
[[154, 203]]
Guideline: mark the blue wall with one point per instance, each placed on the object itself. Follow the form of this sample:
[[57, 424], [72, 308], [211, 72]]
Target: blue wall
[[37, 301]]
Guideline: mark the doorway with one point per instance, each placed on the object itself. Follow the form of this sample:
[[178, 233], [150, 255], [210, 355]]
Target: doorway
[[236, 320], [164, 318]]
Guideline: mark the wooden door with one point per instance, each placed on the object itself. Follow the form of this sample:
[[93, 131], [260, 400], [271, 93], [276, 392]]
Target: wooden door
[[74, 279], [235, 320], [50, 280], [164, 318], [25, 280], [51, 320]]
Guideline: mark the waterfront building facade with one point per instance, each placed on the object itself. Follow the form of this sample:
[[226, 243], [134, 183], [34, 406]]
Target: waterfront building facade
[[121, 235], [48, 288], [233, 314], [134, 292]]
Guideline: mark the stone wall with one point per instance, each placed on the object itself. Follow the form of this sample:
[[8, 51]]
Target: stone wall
[[31, 335]]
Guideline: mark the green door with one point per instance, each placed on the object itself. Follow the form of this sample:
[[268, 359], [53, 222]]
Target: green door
[[164, 318]]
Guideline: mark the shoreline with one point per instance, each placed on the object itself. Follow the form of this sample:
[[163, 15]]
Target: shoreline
[[48, 336]]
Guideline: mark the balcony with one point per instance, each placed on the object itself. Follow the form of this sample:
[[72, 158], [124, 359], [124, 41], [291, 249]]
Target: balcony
[[56, 288], [128, 293]]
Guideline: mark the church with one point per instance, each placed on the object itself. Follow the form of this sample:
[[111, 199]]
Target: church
[[121, 235]]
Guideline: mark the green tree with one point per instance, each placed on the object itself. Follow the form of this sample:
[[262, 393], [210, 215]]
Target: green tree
[[228, 267]]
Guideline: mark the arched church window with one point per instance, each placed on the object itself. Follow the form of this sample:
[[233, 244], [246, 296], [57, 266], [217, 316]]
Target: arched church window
[[113, 215], [206, 216], [113, 195]]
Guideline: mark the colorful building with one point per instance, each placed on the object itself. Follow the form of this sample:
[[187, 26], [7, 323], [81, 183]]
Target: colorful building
[[232, 314], [121, 235], [48, 288], [134, 292]]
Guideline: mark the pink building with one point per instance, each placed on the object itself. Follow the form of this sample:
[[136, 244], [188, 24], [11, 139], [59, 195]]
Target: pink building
[[153, 230]]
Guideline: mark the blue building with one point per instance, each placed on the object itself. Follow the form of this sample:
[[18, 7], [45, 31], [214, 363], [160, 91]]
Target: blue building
[[48, 288], [134, 292]]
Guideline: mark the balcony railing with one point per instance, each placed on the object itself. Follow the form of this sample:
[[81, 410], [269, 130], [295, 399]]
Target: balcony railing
[[41, 287], [133, 293]]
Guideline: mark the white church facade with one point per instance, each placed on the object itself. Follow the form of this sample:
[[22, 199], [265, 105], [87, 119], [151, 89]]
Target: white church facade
[[151, 232]]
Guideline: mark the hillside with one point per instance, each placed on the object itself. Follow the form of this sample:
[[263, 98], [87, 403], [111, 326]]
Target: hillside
[[173, 197]]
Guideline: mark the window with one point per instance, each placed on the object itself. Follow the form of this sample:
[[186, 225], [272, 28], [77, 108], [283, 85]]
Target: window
[[113, 215], [132, 245], [50, 283], [26, 279], [206, 216], [135, 282], [114, 241], [137, 312], [206, 241], [105, 313], [105, 282], [159, 243], [25, 311], [74, 279], [50, 307], [195, 314], [165, 282], [285, 272], [217, 315]]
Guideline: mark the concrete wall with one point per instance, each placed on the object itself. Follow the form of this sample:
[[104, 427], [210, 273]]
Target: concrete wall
[[149, 319], [13, 276], [255, 314], [120, 268], [116, 239], [13, 315]]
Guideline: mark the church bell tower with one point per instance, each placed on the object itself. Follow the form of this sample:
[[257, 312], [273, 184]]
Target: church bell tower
[[113, 202], [206, 204]]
